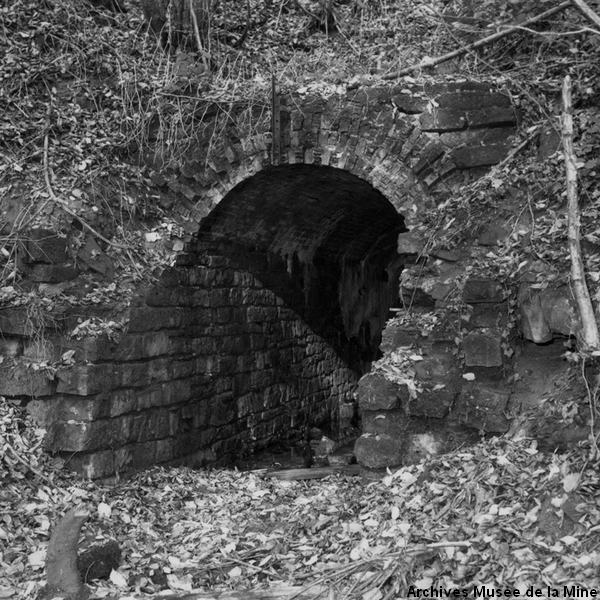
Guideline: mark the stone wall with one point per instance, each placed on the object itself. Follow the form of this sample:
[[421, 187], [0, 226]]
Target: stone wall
[[278, 304], [456, 362], [214, 365]]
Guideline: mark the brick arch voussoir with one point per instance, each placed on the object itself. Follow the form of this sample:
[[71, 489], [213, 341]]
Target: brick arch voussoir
[[392, 177], [408, 142]]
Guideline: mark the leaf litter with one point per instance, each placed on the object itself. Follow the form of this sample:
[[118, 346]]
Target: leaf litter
[[500, 514]]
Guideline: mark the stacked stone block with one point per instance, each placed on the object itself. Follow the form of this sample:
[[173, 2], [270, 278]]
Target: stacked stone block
[[214, 362], [409, 140], [213, 365]]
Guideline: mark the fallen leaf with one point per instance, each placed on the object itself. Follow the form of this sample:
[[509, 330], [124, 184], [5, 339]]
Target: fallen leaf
[[118, 579]]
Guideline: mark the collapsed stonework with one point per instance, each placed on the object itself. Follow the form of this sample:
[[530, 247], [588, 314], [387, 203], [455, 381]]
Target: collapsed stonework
[[460, 360], [276, 306]]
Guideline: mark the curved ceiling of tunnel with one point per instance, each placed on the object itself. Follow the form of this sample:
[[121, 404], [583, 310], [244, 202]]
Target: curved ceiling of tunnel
[[301, 209]]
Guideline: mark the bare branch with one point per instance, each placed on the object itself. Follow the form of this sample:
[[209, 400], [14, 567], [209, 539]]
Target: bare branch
[[587, 11], [589, 326], [65, 206], [432, 62]]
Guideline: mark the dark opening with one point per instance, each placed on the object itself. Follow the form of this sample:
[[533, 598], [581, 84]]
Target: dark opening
[[321, 239]]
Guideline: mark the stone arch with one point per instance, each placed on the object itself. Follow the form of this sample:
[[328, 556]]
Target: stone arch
[[231, 347], [410, 141], [330, 237]]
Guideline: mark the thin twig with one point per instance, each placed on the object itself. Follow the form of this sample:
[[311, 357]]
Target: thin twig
[[248, 565], [66, 207], [559, 33], [594, 451], [432, 62], [26, 464], [340, 573], [514, 151], [203, 53]]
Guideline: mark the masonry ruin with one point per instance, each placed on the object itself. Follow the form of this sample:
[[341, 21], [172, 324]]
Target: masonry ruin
[[277, 305]]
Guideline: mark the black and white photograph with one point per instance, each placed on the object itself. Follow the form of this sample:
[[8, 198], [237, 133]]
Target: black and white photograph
[[299, 299]]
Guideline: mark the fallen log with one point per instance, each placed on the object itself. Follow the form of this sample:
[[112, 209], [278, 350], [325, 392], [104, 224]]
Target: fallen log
[[313, 472], [63, 578]]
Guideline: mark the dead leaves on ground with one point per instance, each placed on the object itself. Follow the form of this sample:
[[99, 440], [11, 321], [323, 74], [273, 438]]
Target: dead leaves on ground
[[529, 519]]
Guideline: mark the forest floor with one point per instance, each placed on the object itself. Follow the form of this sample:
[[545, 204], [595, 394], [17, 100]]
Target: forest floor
[[500, 514]]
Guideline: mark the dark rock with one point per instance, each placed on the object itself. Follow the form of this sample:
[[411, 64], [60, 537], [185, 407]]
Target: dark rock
[[436, 365], [45, 246], [443, 120], [482, 290], [538, 270], [149, 318], [468, 157], [473, 100], [92, 256], [475, 137], [438, 373], [554, 435], [442, 338], [440, 291], [390, 422], [483, 407], [445, 254], [533, 323], [97, 561], [560, 311], [84, 380], [15, 321], [409, 103], [491, 115], [395, 335], [21, 380], [10, 347], [416, 297], [547, 312], [43, 350], [378, 451], [431, 153], [375, 392], [434, 401], [483, 349], [52, 273], [488, 315]]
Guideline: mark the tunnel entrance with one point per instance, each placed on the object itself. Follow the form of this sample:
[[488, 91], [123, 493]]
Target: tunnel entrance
[[305, 271], [257, 334], [328, 242]]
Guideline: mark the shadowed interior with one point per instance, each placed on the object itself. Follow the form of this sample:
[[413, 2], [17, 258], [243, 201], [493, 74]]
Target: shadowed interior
[[330, 239]]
